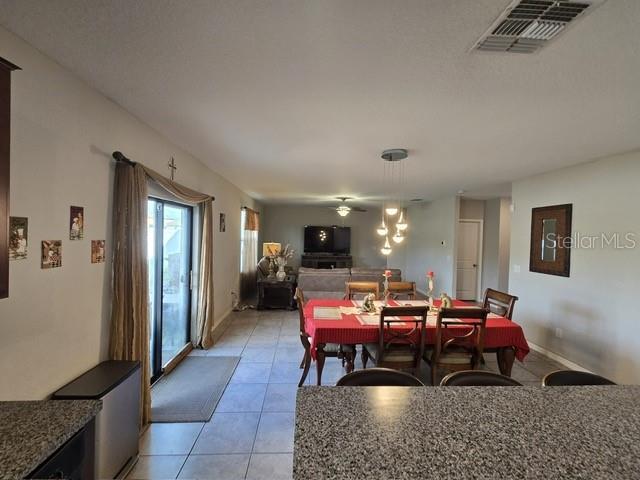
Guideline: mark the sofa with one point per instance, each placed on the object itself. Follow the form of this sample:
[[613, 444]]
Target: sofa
[[330, 283]]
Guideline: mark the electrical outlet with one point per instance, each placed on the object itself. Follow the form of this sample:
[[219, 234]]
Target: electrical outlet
[[559, 332]]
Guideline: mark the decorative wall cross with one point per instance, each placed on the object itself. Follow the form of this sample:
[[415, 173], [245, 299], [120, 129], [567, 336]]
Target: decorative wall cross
[[172, 167]]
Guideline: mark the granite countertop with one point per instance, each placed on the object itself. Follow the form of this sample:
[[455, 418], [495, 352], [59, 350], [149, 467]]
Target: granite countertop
[[33, 430], [467, 432]]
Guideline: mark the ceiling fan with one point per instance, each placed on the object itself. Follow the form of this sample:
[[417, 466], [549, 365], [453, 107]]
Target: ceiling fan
[[343, 209]]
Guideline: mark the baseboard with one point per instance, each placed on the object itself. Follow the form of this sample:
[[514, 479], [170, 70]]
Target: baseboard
[[218, 330], [554, 356]]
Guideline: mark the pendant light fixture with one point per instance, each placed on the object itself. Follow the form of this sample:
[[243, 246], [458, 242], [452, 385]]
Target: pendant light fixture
[[402, 223], [386, 250], [393, 179], [391, 211], [398, 237]]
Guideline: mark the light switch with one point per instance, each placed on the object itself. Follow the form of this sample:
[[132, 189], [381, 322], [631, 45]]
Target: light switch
[[516, 269]]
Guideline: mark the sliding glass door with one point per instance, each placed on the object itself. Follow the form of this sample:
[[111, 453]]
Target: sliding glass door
[[169, 239]]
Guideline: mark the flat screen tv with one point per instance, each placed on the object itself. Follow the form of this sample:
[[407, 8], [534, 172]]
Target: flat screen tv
[[334, 240]]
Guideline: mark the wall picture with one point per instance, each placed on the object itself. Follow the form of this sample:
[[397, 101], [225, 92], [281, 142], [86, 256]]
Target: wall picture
[[97, 251], [76, 223], [51, 254], [223, 222], [18, 236]]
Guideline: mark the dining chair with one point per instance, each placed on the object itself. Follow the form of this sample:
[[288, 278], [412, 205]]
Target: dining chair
[[379, 377], [398, 348], [361, 288], [330, 349], [499, 302], [396, 289], [477, 378], [459, 340], [573, 377]]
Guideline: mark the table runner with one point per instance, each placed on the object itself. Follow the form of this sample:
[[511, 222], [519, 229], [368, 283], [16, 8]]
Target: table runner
[[500, 331]]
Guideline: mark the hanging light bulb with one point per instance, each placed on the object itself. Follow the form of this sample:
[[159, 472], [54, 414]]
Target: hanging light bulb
[[398, 237], [386, 250], [391, 211], [382, 230], [402, 223]]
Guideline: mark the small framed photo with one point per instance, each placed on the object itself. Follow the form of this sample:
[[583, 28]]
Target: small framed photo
[[18, 237], [51, 254], [76, 223], [97, 251], [223, 222]]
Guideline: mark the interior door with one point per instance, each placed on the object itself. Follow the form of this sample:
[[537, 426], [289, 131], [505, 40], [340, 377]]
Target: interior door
[[169, 238], [469, 235]]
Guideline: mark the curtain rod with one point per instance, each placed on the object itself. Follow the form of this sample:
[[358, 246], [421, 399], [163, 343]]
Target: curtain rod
[[119, 157]]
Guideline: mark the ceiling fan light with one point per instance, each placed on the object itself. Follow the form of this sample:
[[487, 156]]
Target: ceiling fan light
[[343, 210], [391, 211]]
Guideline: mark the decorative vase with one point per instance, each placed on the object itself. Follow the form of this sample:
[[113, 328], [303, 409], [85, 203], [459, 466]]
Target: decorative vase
[[281, 275], [385, 294]]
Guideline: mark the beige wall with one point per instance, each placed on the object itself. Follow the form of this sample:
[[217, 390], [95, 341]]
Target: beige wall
[[596, 308], [285, 224], [54, 325], [430, 244]]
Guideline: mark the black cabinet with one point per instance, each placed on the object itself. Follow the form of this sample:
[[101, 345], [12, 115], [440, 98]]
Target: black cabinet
[[74, 460], [275, 294], [326, 261]]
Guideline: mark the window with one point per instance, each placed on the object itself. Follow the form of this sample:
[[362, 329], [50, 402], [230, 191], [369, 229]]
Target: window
[[169, 240]]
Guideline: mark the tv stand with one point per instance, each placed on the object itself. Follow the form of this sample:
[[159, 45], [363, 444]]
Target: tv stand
[[326, 260]]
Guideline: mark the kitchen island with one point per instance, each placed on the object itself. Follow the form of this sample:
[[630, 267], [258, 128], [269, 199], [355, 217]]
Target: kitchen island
[[467, 432], [32, 431]]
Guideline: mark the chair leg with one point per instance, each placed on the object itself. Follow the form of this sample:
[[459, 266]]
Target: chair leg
[[303, 359], [434, 374], [319, 362], [365, 357], [307, 363]]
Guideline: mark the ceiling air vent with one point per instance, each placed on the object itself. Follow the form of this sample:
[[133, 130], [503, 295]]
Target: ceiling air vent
[[527, 25]]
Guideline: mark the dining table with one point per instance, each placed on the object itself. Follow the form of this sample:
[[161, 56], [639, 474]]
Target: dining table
[[344, 322]]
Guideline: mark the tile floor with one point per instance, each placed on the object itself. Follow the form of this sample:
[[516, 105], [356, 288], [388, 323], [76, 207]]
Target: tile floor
[[250, 434]]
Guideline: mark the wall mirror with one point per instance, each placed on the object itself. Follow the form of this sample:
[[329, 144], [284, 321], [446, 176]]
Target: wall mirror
[[551, 240]]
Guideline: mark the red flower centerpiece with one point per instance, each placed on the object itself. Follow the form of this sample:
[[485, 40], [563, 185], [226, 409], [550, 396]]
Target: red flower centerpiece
[[430, 278], [385, 295]]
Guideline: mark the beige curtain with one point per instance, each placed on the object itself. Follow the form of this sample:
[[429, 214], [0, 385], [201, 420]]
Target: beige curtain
[[129, 338], [249, 255], [204, 317]]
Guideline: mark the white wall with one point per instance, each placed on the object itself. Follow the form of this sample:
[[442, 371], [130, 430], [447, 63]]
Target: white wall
[[430, 225], [54, 326], [597, 306], [285, 224]]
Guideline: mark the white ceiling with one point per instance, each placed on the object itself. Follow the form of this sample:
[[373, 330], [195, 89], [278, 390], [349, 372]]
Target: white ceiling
[[294, 100]]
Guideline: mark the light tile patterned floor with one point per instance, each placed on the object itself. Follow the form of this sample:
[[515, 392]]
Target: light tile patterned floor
[[251, 432]]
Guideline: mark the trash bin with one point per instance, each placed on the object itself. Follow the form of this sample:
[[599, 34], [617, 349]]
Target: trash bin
[[117, 384]]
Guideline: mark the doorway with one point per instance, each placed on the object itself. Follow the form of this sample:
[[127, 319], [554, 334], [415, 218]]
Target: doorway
[[169, 240], [469, 263]]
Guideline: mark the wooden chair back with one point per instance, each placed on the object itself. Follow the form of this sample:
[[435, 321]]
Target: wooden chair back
[[299, 295], [403, 288], [499, 302], [413, 339], [467, 341], [361, 288]]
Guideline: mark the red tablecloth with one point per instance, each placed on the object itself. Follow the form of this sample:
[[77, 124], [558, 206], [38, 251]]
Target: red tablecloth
[[500, 332]]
